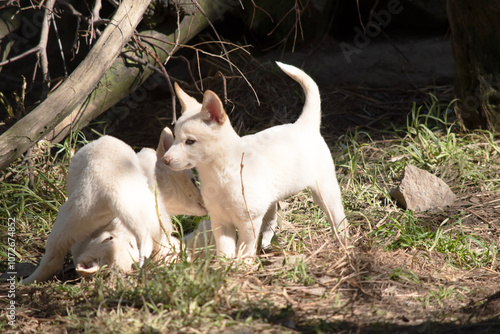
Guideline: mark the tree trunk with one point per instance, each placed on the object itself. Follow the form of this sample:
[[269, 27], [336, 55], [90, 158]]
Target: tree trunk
[[475, 36]]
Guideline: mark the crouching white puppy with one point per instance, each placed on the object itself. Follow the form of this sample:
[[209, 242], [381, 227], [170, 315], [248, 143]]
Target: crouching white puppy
[[266, 167], [112, 205]]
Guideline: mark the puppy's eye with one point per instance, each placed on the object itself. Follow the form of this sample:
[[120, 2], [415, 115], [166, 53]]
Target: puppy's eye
[[108, 239], [190, 141]]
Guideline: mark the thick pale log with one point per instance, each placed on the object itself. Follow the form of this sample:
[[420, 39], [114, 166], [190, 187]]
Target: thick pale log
[[475, 36], [34, 126]]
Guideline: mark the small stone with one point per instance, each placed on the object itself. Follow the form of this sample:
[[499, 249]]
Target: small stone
[[474, 200], [420, 191]]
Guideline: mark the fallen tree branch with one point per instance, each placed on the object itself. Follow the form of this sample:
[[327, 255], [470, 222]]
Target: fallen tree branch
[[124, 77], [37, 124]]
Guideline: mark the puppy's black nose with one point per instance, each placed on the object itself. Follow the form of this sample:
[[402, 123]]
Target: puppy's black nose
[[167, 159]]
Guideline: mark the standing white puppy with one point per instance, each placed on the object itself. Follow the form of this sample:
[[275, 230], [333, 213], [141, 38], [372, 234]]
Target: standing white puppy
[[111, 206], [267, 167]]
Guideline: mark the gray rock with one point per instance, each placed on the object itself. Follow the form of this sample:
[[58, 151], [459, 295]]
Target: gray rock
[[420, 190]]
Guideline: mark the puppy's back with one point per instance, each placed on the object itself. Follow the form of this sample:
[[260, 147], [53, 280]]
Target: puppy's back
[[103, 162]]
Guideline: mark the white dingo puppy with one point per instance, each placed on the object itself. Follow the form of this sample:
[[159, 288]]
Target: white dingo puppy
[[112, 205], [267, 167]]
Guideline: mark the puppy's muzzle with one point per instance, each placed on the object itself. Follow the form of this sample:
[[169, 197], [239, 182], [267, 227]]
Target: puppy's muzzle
[[167, 159]]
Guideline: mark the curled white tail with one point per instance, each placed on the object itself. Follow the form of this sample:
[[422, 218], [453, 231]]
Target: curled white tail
[[311, 114]]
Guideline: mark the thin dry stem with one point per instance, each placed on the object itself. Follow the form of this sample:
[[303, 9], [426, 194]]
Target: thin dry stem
[[224, 56], [195, 2], [40, 49], [96, 10], [163, 71], [244, 198]]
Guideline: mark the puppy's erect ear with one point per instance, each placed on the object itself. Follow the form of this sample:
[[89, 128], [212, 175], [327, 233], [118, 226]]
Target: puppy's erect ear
[[212, 108], [187, 102], [166, 140]]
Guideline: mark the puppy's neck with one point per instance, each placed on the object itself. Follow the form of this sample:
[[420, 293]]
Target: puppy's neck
[[225, 159]]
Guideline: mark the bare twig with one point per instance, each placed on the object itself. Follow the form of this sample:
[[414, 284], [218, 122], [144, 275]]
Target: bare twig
[[157, 208], [244, 198], [194, 47], [93, 21], [184, 59], [96, 10], [10, 3], [161, 65], [359, 16], [199, 68], [177, 38], [21, 56], [255, 7], [195, 2], [294, 29], [40, 49], [44, 36], [54, 24], [163, 71], [224, 84]]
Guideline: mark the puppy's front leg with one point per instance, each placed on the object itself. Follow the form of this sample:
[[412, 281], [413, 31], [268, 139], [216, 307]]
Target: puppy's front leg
[[225, 239], [269, 225], [248, 235]]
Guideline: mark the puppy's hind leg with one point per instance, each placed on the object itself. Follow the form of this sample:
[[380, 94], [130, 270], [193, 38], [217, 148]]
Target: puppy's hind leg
[[269, 225], [65, 232], [327, 195]]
